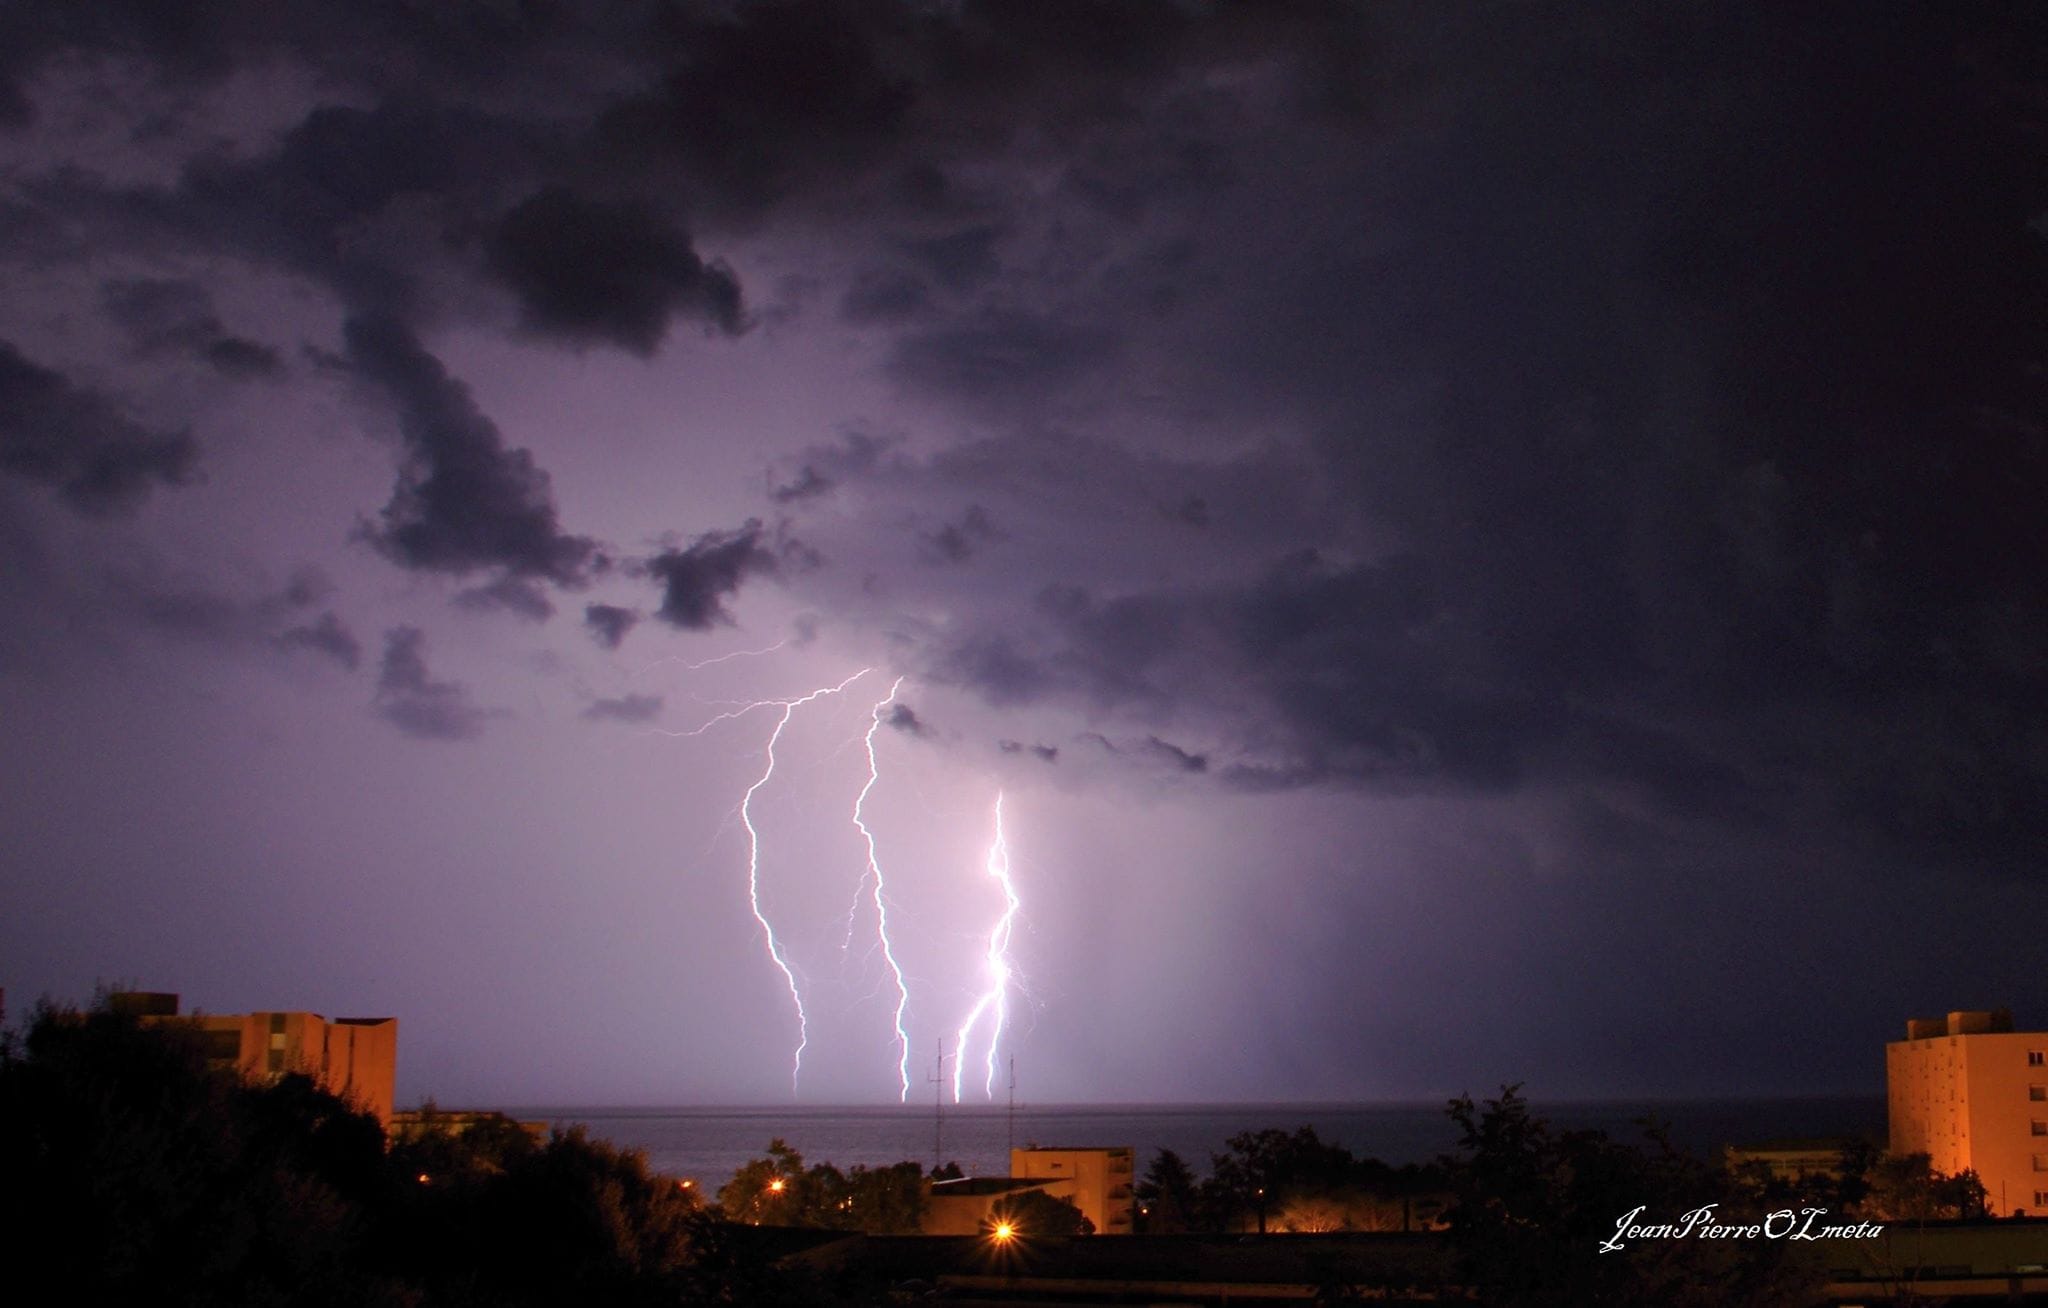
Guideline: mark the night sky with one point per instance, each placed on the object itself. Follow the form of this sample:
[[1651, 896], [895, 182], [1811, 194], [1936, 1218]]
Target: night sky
[[1477, 543]]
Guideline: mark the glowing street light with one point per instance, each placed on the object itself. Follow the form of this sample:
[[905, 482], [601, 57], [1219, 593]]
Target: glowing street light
[[1003, 1233]]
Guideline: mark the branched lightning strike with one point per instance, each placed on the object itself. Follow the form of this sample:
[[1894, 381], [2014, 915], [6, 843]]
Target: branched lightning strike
[[715, 659], [775, 950], [997, 996], [873, 877]]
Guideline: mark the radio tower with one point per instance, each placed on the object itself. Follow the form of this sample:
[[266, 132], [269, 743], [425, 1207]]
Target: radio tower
[[938, 1080]]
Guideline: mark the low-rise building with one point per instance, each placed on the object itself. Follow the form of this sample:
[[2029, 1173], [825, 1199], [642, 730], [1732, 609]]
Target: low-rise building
[[966, 1205], [355, 1058], [1792, 1160]]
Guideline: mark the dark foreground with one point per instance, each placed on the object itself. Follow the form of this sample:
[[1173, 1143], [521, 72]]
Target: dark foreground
[[1983, 1261]]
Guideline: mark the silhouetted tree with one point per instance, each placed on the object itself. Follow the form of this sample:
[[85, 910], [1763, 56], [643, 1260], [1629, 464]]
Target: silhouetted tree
[[1531, 1207], [779, 1190], [1298, 1181], [1167, 1195], [133, 1171], [1906, 1188]]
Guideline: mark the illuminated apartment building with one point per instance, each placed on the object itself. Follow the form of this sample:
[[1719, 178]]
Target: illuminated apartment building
[[1970, 1092], [1096, 1181], [355, 1058]]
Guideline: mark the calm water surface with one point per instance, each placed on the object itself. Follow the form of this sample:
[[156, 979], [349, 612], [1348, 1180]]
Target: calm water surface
[[709, 1144]]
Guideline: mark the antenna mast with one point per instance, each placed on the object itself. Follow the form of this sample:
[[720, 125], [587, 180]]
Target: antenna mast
[[938, 1080]]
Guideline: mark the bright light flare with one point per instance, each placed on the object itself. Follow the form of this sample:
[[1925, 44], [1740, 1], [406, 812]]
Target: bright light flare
[[995, 1000]]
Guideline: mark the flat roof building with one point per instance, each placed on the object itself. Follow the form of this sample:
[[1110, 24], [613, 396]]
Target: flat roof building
[[354, 1058], [1970, 1092]]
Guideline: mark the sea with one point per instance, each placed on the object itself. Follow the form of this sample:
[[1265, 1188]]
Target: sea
[[708, 1144]]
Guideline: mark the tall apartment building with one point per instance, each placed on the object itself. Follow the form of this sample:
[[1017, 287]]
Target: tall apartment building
[[1096, 1181], [355, 1058], [1970, 1092]]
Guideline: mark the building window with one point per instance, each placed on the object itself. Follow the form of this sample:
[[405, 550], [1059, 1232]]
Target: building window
[[2037, 1057], [2041, 1162], [2038, 1093], [2041, 1198], [2040, 1127]]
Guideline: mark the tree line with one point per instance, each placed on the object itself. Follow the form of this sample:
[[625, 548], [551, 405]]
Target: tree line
[[133, 1170]]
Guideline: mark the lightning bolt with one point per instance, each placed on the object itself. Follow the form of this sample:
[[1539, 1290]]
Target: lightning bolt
[[716, 659], [874, 876], [775, 950], [997, 960]]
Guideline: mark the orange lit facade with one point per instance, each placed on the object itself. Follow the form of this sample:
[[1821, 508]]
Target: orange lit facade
[[1970, 1092], [1099, 1182], [355, 1058]]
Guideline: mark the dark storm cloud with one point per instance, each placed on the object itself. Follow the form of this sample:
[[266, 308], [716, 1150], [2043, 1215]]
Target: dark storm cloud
[[464, 501], [508, 595], [245, 360], [809, 484], [1004, 360], [386, 45], [308, 586], [328, 635], [958, 261], [177, 317], [856, 453], [956, 542], [626, 708], [697, 580], [904, 718], [59, 434], [589, 271], [196, 612], [1176, 757], [608, 624], [992, 663], [883, 297], [765, 99], [840, 107], [1044, 753], [411, 700], [1192, 512], [345, 195], [1646, 395]]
